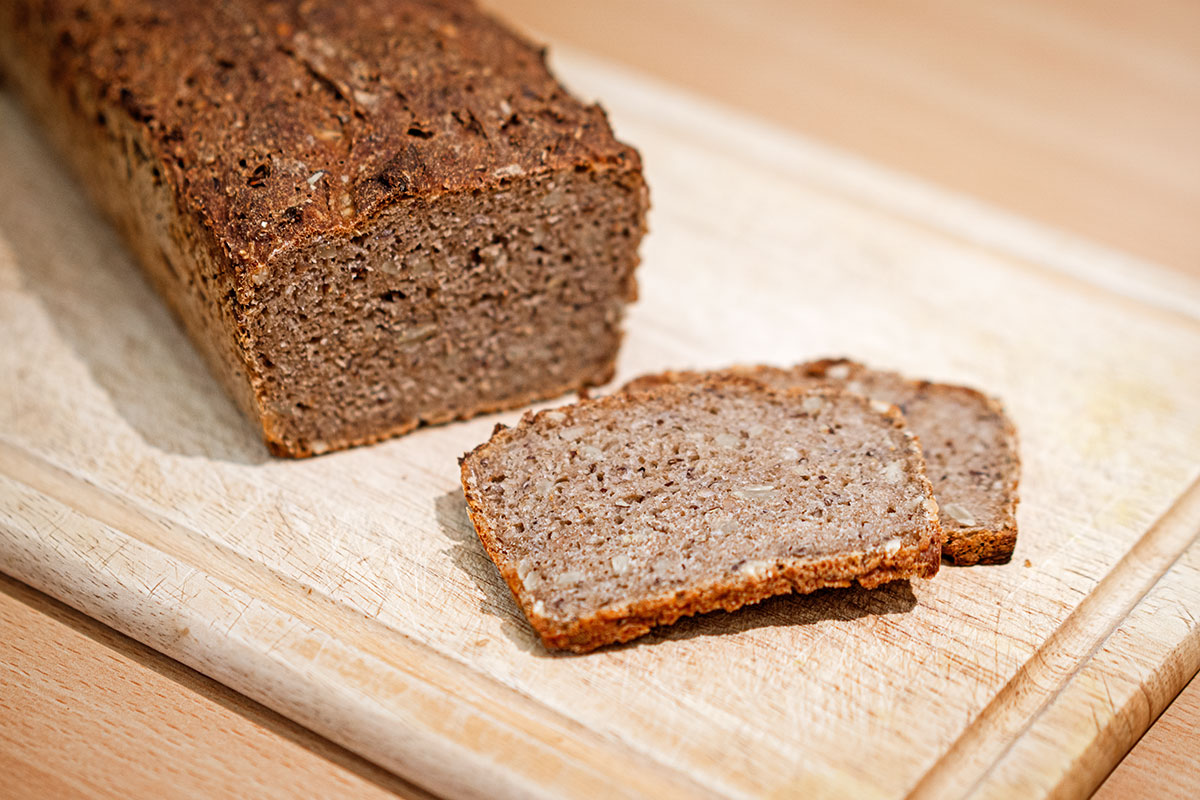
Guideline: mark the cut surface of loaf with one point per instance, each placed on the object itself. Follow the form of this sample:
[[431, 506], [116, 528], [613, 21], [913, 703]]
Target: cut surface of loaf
[[367, 215], [969, 444], [617, 514]]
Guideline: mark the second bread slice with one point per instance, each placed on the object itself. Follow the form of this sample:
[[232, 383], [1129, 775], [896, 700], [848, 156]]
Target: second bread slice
[[614, 515], [969, 444]]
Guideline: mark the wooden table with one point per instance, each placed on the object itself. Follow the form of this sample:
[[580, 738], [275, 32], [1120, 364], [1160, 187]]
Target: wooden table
[[1085, 116]]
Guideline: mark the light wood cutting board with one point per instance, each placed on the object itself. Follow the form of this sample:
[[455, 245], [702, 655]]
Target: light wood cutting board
[[349, 593]]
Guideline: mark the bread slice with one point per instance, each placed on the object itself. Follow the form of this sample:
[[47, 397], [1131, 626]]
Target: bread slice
[[624, 512], [970, 446]]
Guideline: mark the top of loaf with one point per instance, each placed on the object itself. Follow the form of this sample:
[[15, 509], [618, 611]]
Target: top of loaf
[[284, 123]]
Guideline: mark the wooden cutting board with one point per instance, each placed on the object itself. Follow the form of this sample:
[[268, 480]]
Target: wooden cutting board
[[349, 593]]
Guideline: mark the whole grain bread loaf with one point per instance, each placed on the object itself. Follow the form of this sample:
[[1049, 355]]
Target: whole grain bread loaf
[[970, 446], [617, 514], [368, 215]]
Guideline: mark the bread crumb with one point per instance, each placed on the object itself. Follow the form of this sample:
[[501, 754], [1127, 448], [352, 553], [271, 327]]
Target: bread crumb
[[755, 569], [812, 404], [572, 433], [959, 513], [726, 440], [839, 372], [591, 452], [568, 578], [754, 491]]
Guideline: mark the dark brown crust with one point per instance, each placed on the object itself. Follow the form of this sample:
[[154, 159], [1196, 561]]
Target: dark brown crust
[[623, 623], [244, 102], [964, 546], [272, 127], [970, 546]]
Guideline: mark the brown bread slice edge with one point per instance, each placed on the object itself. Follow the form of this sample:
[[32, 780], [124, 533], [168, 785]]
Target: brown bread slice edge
[[969, 444], [617, 514]]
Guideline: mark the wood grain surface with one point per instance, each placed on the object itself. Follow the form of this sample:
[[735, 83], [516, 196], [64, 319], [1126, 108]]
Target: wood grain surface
[[1134, 37], [1166, 762], [91, 713]]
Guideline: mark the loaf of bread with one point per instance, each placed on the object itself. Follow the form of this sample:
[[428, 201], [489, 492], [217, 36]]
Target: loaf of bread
[[969, 444], [368, 215], [617, 514]]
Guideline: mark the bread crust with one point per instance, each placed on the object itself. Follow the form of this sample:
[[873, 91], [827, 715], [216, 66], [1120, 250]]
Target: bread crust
[[402, 98], [623, 622]]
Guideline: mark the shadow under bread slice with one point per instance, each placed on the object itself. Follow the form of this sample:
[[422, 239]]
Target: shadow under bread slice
[[970, 446], [620, 513]]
